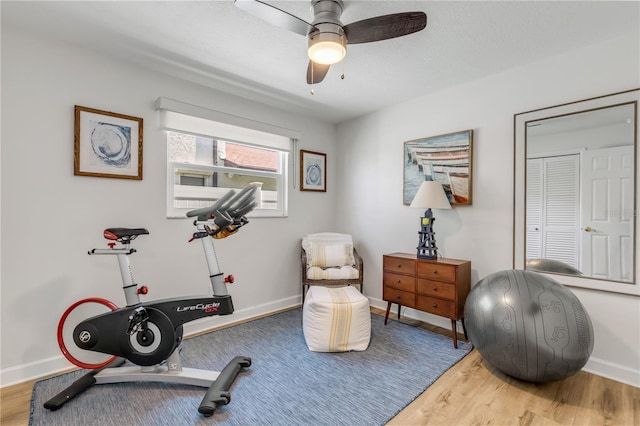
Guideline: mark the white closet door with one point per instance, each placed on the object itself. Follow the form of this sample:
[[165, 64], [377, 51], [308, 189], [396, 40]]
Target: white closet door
[[534, 198], [608, 213], [561, 207]]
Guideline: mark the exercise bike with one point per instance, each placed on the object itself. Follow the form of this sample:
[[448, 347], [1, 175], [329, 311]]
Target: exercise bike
[[149, 334]]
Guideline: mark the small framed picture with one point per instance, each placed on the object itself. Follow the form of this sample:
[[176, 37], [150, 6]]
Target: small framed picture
[[313, 171], [107, 144]]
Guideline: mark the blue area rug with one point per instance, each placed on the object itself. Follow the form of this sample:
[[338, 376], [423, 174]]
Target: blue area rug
[[285, 385]]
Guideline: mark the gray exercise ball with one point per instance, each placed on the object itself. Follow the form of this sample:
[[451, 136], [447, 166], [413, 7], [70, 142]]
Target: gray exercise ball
[[528, 326], [550, 265]]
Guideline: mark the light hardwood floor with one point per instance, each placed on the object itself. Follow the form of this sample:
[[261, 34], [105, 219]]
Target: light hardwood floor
[[471, 393]]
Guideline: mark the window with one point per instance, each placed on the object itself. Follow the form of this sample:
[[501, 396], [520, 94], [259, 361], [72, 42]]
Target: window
[[202, 169], [206, 158]]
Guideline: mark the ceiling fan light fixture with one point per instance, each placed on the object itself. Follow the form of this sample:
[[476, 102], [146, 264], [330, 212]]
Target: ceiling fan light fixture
[[327, 52], [328, 36], [327, 48]]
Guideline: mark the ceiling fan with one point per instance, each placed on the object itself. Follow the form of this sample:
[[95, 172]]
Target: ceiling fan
[[328, 37]]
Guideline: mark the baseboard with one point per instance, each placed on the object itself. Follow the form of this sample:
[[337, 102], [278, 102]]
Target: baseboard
[[58, 364], [619, 373], [239, 315], [599, 367], [34, 370], [417, 315]]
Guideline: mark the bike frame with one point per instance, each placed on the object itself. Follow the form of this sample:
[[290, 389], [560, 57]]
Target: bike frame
[[129, 286]]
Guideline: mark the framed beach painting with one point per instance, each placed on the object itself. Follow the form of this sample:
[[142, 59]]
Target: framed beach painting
[[107, 144], [313, 171], [445, 159]]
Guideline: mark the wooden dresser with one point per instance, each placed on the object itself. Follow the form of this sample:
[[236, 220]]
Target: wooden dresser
[[439, 287]]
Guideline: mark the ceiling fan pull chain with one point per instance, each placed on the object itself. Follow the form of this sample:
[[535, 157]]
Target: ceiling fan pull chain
[[342, 75]]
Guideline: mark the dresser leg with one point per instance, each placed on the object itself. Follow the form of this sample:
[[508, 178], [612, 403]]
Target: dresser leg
[[455, 333], [386, 317], [399, 307], [464, 329]]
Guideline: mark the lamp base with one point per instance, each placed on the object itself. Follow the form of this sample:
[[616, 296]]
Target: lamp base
[[427, 256], [427, 238]]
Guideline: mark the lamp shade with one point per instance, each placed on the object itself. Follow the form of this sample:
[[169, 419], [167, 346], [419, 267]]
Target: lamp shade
[[431, 195]]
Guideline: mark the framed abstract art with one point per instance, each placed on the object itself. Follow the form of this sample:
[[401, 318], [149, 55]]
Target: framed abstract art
[[107, 144], [313, 171]]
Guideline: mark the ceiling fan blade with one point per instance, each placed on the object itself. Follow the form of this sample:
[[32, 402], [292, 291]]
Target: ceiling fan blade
[[385, 27], [319, 72], [275, 16]]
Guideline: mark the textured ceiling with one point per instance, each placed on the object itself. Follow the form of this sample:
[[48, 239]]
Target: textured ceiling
[[214, 43]]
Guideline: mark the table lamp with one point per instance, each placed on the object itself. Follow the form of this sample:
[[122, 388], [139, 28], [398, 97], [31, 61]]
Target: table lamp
[[430, 195]]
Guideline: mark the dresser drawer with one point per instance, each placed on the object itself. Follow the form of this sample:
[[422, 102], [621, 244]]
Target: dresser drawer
[[400, 297], [436, 288], [435, 306], [436, 271], [400, 282], [399, 265]]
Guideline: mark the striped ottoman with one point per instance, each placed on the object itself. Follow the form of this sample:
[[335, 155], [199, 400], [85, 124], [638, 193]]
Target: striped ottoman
[[336, 319]]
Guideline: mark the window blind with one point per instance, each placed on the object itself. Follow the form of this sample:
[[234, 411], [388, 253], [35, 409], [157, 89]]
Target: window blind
[[187, 118]]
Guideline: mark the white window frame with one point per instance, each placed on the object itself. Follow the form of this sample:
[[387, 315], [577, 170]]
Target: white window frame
[[186, 169], [190, 119]]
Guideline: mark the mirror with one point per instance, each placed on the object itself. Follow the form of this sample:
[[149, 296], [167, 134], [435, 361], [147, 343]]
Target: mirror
[[575, 186]]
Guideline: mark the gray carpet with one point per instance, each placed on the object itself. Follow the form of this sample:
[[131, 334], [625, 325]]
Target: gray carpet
[[285, 385]]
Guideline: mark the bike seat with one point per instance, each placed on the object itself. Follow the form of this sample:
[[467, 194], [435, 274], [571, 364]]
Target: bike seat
[[124, 234]]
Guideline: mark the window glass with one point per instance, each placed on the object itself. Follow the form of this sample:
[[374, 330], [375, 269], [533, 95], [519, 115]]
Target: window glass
[[202, 169]]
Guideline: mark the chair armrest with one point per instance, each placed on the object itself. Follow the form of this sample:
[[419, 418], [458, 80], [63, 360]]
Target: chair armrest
[[303, 262], [359, 262]]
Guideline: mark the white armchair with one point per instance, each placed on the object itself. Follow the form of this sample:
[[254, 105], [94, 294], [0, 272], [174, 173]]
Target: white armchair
[[330, 259]]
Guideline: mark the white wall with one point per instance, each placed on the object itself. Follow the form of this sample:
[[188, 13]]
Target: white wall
[[370, 172], [50, 218]]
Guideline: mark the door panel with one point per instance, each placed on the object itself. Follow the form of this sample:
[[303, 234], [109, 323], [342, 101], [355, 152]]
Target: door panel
[[607, 214]]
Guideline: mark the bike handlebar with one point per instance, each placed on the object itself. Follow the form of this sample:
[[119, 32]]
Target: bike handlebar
[[229, 207]]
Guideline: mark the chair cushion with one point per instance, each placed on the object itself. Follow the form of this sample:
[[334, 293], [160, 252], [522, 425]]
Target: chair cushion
[[328, 249], [342, 273], [330, 255], [336, 320]]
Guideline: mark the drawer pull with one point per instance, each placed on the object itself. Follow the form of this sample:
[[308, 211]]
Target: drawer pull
[[435, 305], [435, 271], [397, 296], [399, 265], [435, 289], [398, 281]]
